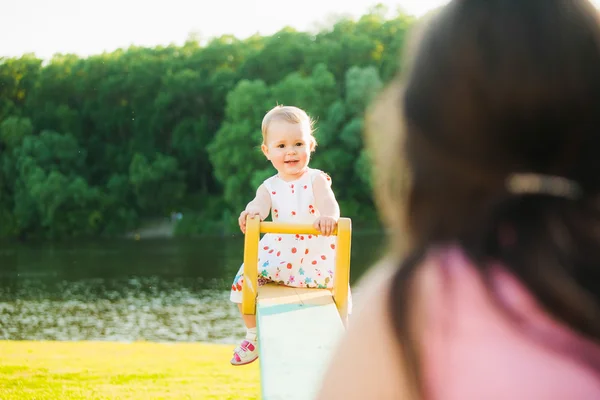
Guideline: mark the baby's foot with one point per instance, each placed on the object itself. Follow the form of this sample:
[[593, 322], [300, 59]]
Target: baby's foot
[[245, 353]]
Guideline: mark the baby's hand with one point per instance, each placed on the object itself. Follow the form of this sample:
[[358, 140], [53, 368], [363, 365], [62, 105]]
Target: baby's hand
[[252, 212], [325, 225]]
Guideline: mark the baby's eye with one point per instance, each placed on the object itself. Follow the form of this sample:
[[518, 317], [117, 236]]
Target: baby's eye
[[281, 146], [299, 144]]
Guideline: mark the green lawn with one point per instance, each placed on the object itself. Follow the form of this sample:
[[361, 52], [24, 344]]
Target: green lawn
[[105, 370]]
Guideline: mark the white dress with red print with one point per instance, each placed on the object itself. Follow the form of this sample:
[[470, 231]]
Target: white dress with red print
[[293, 260]]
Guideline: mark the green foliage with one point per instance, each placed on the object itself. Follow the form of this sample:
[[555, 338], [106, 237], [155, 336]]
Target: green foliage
[[234, 152], [157, 185], [13, 130], [93, 146]]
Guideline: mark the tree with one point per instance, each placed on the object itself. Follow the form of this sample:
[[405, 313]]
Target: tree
[[235, 153], [94, 145], [158, 185]]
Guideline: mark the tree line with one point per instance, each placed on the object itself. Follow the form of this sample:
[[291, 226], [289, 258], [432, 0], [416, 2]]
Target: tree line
[[94, 146]]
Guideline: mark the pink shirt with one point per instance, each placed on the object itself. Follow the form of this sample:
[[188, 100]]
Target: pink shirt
[[472, 351]]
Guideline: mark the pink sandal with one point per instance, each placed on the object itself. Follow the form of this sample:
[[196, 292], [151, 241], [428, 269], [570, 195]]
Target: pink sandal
[[244, 354]]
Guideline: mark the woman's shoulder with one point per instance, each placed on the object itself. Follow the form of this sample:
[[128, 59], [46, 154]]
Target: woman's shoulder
[[377, 279], [375, 366], [368, 361]]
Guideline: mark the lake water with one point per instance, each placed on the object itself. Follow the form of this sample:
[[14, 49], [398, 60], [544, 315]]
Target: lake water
[[126, 290]]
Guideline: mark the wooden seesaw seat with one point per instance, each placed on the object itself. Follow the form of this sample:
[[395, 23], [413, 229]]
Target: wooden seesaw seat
[[298, 328]]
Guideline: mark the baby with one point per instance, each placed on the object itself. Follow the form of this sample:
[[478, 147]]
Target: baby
[[296, 194]]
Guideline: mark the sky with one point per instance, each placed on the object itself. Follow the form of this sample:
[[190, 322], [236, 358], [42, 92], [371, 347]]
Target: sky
[[85, 27]]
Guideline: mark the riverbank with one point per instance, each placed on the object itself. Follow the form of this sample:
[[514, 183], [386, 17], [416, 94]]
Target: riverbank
[[132, 371]]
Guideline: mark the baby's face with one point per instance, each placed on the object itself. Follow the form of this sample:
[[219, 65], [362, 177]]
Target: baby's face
[[288, 147]]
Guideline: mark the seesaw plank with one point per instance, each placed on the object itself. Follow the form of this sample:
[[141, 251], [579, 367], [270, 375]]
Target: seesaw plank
[[297, 331]]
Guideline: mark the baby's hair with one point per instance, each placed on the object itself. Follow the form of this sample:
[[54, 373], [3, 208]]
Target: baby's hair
[[291, 114]]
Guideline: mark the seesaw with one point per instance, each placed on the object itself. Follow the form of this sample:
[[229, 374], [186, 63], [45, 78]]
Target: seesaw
[[298, 328]]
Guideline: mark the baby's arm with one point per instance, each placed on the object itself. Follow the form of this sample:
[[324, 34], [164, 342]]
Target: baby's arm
[[260, 205], [326, 204]]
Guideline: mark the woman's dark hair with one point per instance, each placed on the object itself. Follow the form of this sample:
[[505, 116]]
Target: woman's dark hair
[[494, 88]]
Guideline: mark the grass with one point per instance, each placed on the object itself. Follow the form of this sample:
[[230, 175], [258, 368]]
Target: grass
[[106, 370]]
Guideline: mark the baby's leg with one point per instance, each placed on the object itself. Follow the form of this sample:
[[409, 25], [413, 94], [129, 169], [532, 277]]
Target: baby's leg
[[249, 320], [247, 351]]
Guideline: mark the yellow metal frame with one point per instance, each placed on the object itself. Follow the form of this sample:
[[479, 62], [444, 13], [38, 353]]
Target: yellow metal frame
[[254, 227]]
